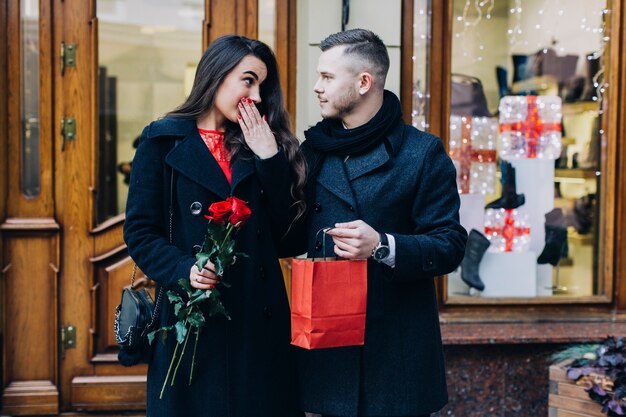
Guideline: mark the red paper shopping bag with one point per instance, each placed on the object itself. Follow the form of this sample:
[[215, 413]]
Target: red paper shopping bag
[[328, 301]]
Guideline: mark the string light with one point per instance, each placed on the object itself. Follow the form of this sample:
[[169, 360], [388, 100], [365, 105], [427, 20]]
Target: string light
[[480, 8]]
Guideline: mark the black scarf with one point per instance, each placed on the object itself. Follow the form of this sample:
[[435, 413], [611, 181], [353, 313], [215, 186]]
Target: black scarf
[[330, 137]]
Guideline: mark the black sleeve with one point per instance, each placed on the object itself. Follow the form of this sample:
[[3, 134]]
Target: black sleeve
[[146, 227]]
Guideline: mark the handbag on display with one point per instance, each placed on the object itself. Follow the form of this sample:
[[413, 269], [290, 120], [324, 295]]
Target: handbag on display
[[328, 302]]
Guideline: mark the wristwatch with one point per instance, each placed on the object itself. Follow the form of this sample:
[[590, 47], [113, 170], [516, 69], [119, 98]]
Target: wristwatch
[[381, 251]]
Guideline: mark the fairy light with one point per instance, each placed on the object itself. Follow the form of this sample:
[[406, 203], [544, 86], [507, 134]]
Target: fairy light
[[598, 79], [515, 32], [481, 9]]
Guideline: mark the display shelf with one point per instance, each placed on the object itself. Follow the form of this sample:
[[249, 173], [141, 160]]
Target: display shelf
[[582, 173]]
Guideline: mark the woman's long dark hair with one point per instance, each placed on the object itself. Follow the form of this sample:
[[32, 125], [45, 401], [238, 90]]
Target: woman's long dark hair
[[216, 63]]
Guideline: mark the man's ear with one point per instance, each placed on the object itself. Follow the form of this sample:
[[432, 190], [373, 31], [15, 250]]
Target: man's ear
[[366, 81]]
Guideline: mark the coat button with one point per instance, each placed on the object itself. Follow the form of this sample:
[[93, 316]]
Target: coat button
[[267, 312], [196, 249], [351, 208], [259, 234], [317, 207], [262, 273], [262, 191], [195, 208], [318, 246]]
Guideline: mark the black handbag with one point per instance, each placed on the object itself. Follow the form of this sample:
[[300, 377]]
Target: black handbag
[[137, 313], [135, 317]]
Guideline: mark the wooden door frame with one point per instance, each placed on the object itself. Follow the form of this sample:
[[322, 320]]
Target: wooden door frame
[[30, 234]]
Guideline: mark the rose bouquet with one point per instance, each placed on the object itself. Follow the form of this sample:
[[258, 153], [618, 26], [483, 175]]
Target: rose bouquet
[[194, 306]]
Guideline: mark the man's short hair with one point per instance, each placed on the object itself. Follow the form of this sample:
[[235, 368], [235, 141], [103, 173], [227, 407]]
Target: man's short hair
[[366, 45]]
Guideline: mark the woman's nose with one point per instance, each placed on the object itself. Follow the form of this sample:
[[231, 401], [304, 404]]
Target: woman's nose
[[255, 96]]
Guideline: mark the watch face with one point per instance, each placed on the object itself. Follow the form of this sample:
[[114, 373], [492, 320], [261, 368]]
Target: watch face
[[381, 253]]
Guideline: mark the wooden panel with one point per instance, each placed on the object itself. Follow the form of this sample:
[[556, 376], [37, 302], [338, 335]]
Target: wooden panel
[[406, 61], [620, 212], [30, 295], [568, 399], [109, 235], [555, 412], [584, 407], [222, 18], [286, 53], [76, 96], [43, 204], [4, 172], [30, 398], [109, 393], [232, 17]]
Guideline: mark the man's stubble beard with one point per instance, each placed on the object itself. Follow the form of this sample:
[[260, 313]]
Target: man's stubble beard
[[344, 106]]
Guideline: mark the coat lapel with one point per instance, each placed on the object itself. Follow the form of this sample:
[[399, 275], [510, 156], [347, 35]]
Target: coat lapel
[[242, 169], [194, 160], [359, 165], [333, 177]]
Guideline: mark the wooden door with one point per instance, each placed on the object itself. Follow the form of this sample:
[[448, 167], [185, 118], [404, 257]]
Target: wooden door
[[134, 61], [105, 68]]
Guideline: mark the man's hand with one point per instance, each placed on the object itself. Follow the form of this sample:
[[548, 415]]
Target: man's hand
[[354, 240]]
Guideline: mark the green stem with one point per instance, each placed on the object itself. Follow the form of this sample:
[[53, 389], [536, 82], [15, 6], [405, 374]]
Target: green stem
[[230, 228], [193, 359], [182, 353], [168, 371]]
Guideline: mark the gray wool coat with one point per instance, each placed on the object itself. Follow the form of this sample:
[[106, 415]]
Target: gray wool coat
[[406, 187], [244, 367]]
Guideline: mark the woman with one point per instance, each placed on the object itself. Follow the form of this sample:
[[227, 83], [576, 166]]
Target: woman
[[230, 137]]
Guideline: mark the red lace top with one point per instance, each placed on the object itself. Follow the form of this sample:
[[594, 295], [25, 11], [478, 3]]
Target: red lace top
[[214, 140]]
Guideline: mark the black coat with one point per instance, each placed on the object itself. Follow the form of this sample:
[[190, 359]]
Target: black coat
[[244, 367], [406, 187]]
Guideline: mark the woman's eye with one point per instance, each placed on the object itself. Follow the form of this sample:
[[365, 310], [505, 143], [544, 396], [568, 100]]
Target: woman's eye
[[248, 81]]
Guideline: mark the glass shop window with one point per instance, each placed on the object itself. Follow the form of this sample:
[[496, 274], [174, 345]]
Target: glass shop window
[[528, 91], [147, 52]]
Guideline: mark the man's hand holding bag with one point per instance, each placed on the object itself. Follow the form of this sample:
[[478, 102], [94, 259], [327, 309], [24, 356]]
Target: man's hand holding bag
[[328, 302]]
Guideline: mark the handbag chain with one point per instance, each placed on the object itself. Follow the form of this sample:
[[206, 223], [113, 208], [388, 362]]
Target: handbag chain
[[157, 304]]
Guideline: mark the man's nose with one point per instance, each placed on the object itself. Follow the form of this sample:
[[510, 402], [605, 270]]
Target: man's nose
[[318, 87]]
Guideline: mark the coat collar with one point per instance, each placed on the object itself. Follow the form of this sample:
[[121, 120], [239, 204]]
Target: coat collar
[[334, 178], [193, 159]]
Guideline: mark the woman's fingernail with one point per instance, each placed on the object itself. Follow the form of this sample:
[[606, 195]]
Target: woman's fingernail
[[264, 118], [243, 98], [211, 286], [249, 100], [239, 116]]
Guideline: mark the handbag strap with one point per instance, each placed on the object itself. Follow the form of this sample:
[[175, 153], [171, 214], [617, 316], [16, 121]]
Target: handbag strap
[[157, 304]]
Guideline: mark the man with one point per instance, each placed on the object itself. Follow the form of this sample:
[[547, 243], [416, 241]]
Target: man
[[389, 191]]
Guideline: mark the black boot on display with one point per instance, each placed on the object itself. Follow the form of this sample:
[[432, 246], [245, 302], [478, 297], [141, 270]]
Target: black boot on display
[[476, 247], [509, 199], [556, 238]]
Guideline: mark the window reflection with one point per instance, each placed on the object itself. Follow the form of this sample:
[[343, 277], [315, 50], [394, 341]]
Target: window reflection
[[421, 46], [525, 131], [30, 152], [148, 52], [267, 23]]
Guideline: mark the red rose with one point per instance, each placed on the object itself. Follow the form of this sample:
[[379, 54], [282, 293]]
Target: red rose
[[241, 212], [220, 212]]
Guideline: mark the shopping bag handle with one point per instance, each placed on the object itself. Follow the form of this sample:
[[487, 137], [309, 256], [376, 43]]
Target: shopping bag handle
[[323, 229]]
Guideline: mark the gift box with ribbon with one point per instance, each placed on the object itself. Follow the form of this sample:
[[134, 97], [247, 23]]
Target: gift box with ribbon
[[507, 230], [473, 151], [530, 127]]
